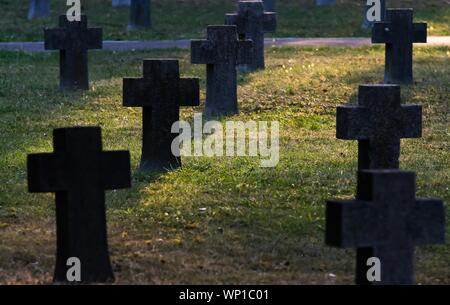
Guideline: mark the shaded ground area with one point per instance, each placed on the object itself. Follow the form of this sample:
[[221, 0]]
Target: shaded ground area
[[217, 220], [185, 19]]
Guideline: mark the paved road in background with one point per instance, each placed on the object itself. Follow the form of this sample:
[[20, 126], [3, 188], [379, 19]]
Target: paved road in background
[[183, 44]]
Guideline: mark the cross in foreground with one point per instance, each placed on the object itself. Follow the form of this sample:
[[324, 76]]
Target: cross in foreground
[[78, 172], [385, 221]]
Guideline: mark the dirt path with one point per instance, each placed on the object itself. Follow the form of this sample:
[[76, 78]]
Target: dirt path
[[164, 44]]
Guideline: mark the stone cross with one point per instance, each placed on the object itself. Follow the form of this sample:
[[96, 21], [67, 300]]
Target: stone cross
[[160, 92], [252, 22], [385, 221], [378, 122], [73, 39], [78, 172], [325, 2], [370, 8], [269, 5], [221, 52], [38, 9], [140, 14], [116, 3], [399, 33]]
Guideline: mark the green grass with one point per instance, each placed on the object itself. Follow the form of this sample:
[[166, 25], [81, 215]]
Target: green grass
[[177, 19], [217, 220]]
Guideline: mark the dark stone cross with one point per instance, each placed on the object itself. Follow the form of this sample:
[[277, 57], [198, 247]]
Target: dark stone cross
[[378, 123], [399, 33], [78, 172], [38, 9], [252, 22], [160, 93], [140, 14], [73, 39], [387, 221], [366, 24], [221, 52]]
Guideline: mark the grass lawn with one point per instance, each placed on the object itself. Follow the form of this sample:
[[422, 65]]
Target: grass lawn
[[217, 220], [176, 19]]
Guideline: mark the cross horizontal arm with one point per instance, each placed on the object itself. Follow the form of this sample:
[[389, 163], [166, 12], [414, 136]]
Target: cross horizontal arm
[[427, 223], [420, 32], [231, 19], [352, 224], [269, 22], [189, 92], [46, 172], [203, 52], [352, 123], [116, 170], [55, 39], [411, 126], [381, 32]]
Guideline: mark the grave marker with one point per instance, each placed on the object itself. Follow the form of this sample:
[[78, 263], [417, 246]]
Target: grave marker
[[378, 122], [160, 93], [78, 172], [38, 9], [73, 39], [269, 5], [140, 14], [399, 33], [221, 52], [252, 22], [385, 221]]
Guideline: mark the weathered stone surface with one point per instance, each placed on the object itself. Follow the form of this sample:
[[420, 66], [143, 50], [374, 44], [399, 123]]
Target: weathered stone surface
[[73, 39], [385, 221], [140, 14], [38, 9], [378, 123], [78, 172], [252, 22], [269, 5], [366, 24], [399, 33], [221, 52], [325, 2], [116, 3], [160, 93]]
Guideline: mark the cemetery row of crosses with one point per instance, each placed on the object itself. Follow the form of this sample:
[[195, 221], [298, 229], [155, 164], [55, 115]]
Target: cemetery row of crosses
[[385, 220]]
